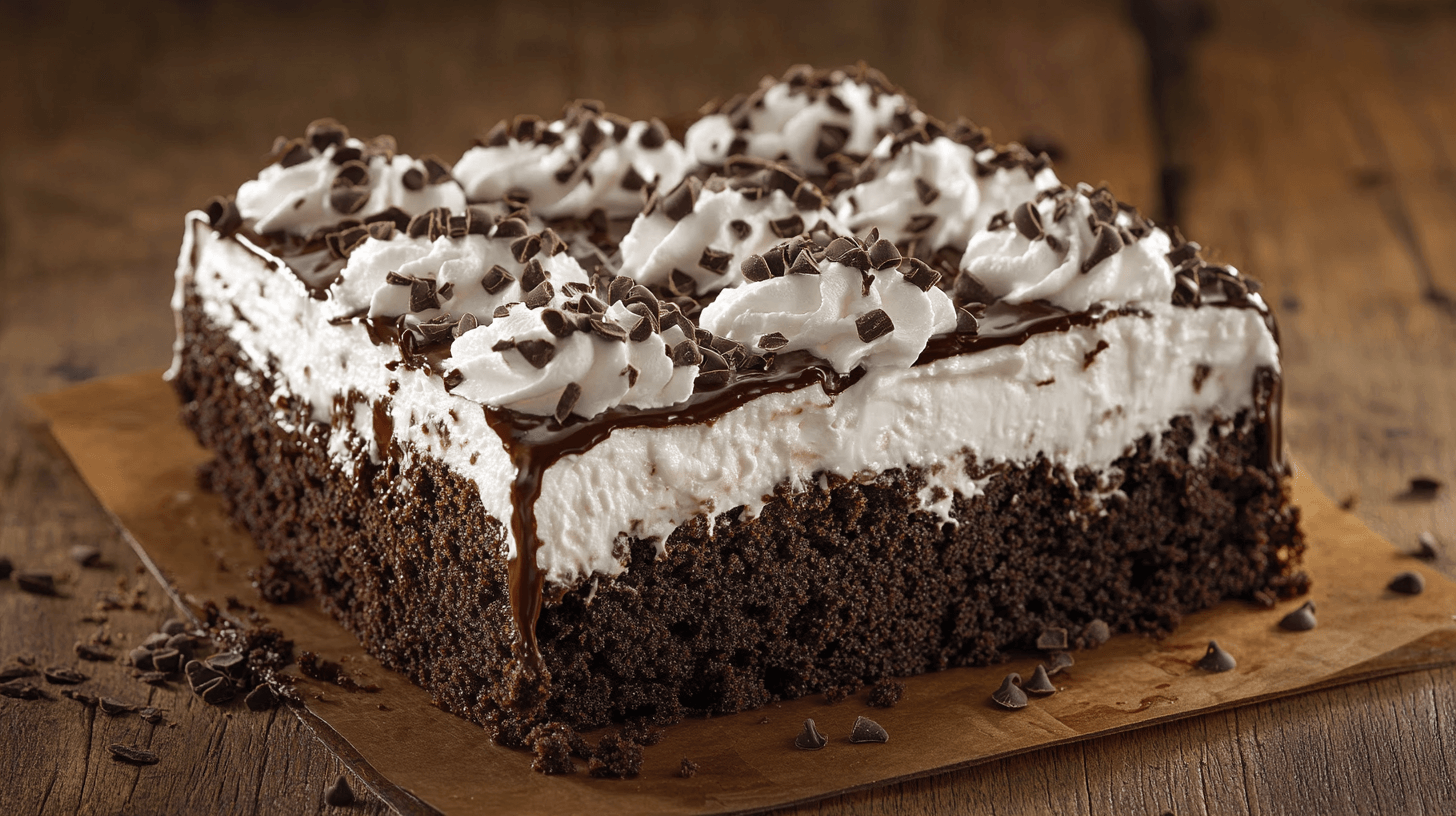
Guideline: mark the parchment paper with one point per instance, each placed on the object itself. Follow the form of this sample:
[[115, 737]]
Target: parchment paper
[[124, 438]]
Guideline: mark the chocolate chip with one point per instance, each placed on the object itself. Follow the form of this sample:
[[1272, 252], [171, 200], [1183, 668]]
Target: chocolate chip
[[413, 179], [686, 353], [1040, 683], [537, 352], [1216, 659], [62, 676], [525, 248], [715, 261], [1407, 583], [787, 227], [810, 739], [1010, 695], [1427, 548], [679, 203], [540, 296], [132, 755], [510, 228], [86, 651], [654, 135], [873, 325], [36, 583], [883, 254], [1300, 620], [1052, 638], [20, 690], [681, 283], [223, 215], [496, 279], [423, 296], [920, 223], [606, 329], [323, 133], [1097, 633], [1058, 661], [339, 794], [261, 698], [217, 691], [1108, 243], [867, 730], [1027, 219]]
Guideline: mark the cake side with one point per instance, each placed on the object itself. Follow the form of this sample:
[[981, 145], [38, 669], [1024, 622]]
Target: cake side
[[833, 584]]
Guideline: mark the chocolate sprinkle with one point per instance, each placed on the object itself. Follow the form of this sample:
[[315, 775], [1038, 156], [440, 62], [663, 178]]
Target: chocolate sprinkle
[[537, 352], [132, 755], [883, 254], [873, 325], [1052, 639], [755, 268], [810, 739], [787, 227], [1216, 660], [1040, 684], [1108, 243], [1027, 219], [112, 707], [1407, 583], [1010, 695], [1300, 620], [867, 730]]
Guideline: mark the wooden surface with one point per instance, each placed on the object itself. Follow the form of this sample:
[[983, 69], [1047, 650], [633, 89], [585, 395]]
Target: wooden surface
[[1315, 147]]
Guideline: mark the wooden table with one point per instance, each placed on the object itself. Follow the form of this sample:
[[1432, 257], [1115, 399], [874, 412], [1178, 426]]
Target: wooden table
[[1311, 145]]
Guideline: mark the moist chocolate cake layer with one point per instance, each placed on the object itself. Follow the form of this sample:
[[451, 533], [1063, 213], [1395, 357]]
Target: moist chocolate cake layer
[[840, 584]]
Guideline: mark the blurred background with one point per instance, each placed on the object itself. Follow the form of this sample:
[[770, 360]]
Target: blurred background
[[1311, 144]]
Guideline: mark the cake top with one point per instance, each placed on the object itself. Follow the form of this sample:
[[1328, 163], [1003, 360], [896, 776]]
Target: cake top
[[571, 269]]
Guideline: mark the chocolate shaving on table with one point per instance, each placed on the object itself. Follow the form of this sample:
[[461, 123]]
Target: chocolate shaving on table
[[809, 739], [167, 660], [867, 730], [537, 352], [85, 555], [216, 691], [1216, 660], [81, 697], [1407, 583], [9, 673], [21, 690], [1027, 219], [261, 698], [36, 583], [1040, 683], [154, 678], [113, 707], [1300, 620], [96, 654], [1107, 243], [873, 325], [1010, 695], [132, 755]]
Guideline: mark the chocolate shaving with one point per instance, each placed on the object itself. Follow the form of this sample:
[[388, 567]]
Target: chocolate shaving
[[436, 170], [998, 221], [347, 199], [223, 215], [511, 228], [873, 325], [61, 676], [1108, 242], [804, 265], [132, 755], [681, 283], [926, 192], [496, 279], [883, 254], [808, 197], [525, 248], [606, 329], [557, 323], [655, 135], [787, 227], [715, 261], [920, 223], [966, 323], [839, 248], [423, 295], [453, 378], [292, 152], [832, 139], [679, 203], [532, 275], [1027, 219], [1058, 661], [537, 352], [633, 180], [773, 341], [741, 229], [686, 353], [413, 179], [569, 396], [86, 651], [323, 133], [919, 274]]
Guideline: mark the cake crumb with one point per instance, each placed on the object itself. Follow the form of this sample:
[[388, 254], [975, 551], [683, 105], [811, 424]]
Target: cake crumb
[[886, 693], [688, 769], [616, 756], [552, 744]]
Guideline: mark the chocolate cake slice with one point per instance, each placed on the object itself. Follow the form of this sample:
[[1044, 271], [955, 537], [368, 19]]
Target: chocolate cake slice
[[597, 426]]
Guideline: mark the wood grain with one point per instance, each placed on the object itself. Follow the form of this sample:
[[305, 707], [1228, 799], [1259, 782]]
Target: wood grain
[[1318, 142]]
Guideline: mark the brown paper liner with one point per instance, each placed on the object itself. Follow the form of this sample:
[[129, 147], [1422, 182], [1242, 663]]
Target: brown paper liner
[[125, 440]]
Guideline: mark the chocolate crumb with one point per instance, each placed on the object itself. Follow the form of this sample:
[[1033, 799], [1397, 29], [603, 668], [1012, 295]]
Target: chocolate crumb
[[810, 739], [1407, 583], [1040, 684], [616, 756], [1058, 661], [339, 794], [873, 325], [36, 583], [1010, 695], [86, 651], [132, 755], [61, 676], [1427, 548], [885, 693], [1052, 639], [688, 769], [1300, 620], [1216, 660], [867, 730]]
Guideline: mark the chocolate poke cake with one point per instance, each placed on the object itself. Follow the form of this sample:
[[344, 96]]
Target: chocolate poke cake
[[601, 425]]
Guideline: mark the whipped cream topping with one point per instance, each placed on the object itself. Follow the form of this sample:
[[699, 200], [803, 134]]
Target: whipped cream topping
[[1072, 248], [934, 193], [572, 167], [729, 221], [842, 314], [804, 119], [340, 181]]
